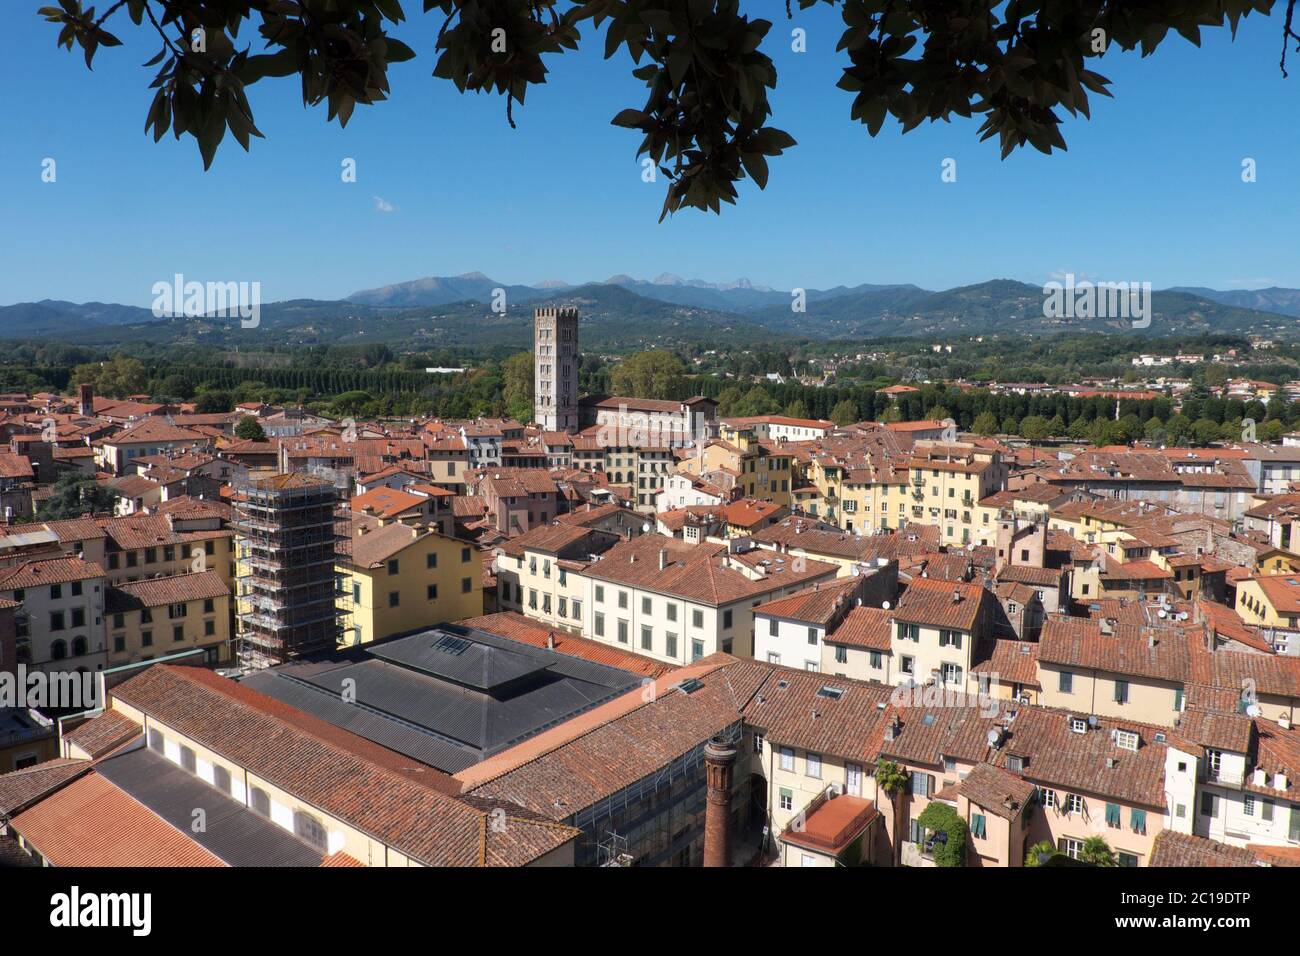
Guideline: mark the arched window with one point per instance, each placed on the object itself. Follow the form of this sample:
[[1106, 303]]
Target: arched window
[[187, 759], [58, 650], [156, 739], [261, 802], [310, 829], [221, 778], [78, 646]]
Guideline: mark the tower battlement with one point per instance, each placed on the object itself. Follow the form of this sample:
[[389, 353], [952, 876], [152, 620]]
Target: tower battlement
[[564, 312]]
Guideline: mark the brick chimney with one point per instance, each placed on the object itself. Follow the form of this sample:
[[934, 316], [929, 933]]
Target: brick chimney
[[719, 757]]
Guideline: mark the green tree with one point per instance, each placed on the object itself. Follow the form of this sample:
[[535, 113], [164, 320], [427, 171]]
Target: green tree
[[517, 386], [1035, 428], [1204, 431], [757, 401], [118, 377], [653, 374], [844, 413], [1010, 426], [250, 429], [892, 779], [1040, 853], [728, 399], [209, 403], [986, 424], [797, 409], [949, 847], [75, 494], [704, 121], [1097, 852]]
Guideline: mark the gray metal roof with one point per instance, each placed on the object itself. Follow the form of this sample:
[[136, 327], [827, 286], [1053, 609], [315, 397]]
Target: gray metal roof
[[234, 833], [449, 696]]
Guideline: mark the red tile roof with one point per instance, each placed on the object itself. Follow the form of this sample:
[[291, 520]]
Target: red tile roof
[[91, 822]]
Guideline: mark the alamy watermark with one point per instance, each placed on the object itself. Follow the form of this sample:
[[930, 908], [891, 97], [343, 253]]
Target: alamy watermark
[[1130, 301], [196, 300], [72, 690]]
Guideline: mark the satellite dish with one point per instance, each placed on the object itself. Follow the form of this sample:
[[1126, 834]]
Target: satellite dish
[[884, 605], [1162, 613], [1252, 710], [993, 738], [645, 527]]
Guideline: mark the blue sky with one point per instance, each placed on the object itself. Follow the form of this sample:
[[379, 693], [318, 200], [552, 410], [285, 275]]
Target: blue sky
[[1150, 189]]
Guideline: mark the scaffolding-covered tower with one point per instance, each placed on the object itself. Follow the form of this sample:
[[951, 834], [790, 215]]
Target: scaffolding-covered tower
[[288, 594]]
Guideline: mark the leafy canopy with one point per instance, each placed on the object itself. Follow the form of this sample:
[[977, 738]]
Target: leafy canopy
[[704, 123]]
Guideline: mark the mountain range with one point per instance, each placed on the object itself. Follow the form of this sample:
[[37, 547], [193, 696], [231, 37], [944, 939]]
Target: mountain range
[[623, 312]]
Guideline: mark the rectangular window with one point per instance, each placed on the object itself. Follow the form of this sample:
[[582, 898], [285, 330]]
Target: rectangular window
[[1112, 815], [697, 650], [697, 618], [726, 619], [670, 644], [466, 585], [787, 759], [431, 592], [600, 624], [394, 598], [647, 638], [622, 632], [812, 636], [787, 799], [1121, 692], [1065, 682], [431, 560], [814, 764]]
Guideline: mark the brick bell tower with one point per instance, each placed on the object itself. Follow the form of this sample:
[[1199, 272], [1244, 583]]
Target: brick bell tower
[[719, 759], [555, 369]]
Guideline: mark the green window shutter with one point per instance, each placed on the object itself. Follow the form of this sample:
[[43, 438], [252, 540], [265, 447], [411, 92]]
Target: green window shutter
[[1139, 820], [1112, 814]]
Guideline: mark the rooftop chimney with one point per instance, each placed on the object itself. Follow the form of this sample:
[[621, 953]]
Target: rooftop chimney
[[719, 758], [550, 640], [663, 558]]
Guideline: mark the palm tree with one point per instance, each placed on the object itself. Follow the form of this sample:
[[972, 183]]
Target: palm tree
[[1097, 852], [892, 779], [1040, 853]]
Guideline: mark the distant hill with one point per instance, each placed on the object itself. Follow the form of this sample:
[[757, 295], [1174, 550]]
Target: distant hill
[[442, 290], [738, 296], [1004, 306], [51, 316], [624, 313], [1281, 301], [612, 317]]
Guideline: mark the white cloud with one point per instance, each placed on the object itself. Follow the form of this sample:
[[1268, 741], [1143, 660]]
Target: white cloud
[[383, 205]]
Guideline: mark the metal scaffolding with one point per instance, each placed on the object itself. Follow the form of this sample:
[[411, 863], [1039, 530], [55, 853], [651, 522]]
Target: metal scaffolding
[[292, 532]]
